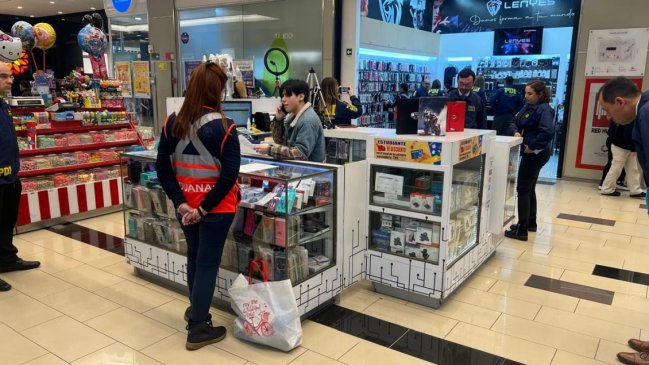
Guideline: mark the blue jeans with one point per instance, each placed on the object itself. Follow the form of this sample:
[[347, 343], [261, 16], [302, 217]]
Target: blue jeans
[[205, 242]]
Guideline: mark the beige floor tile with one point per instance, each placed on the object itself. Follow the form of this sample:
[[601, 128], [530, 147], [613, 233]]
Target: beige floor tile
[[550, 229], [567, 358], [565, 222], [610, 214], [51, 261], [134, 296], [67, 338], [503, 274], [624, 228], [21, 312], [35, 283], [88, 277], [358, 299], [171, 351], [542, 297], [639, 244], [257, 353], [96, 257], [528, 267], [463, 312], [608, 350], [509, 251], [26, 247], [326, 340], [17, 349], [48, 359], [614, 314], [131, 328], [53, 241], [560, 262], [409, 317], [126, 271], [598, 236], [79, 304], [169, 292], [480, 282], [548, 335], [116, 353], [644, 335], [510, 347], [499, 303], [369, 353], [586, 255], [171, 314], [555, 239], [586, 325], [523, 247], [631, 302], [312, 358], [105, 225], [605, 283], [8, 294]]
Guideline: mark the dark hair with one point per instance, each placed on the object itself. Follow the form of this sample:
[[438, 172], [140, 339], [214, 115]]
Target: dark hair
[[509, 80], [541, 89], [329, 90], [403, 86], [466, 72], [295, 87], [479, 81], [205, 88], [436, 84], [25, 83], [618, 87]]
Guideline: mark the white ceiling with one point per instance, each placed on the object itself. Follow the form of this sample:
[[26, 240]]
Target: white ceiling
[[41, 8]]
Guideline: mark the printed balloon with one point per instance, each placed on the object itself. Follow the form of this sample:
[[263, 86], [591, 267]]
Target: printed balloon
[[92, 40], [10, 47], [23, 30], [45, 35]]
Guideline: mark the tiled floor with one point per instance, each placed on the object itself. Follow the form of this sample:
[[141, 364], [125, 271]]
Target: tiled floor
[[84, 305]]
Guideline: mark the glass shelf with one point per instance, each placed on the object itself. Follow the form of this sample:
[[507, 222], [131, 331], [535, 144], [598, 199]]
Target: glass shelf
[[418, 191]]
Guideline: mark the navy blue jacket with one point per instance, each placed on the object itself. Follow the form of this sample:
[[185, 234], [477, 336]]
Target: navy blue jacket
[[536, 124], [475, 117], [343, 113], [436, 92], [420, 92], [481, 93], [211, 135], [506, 101], [621, 135], [9, 164], [641, 134]]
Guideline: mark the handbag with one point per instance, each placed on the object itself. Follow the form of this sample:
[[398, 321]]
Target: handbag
[[267, 313]]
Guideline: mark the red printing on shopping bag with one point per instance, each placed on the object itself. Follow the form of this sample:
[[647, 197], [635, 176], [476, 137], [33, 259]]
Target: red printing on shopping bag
[[254, 311]]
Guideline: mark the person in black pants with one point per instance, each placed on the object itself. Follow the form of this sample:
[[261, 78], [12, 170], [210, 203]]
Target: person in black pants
[[535, 123], [198, 167], [10, 187]]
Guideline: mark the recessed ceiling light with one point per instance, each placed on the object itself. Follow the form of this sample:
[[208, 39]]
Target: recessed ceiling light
[[31, 16], [52, 2], [138, 18], [92, 8], [20, 7], [60, 12]]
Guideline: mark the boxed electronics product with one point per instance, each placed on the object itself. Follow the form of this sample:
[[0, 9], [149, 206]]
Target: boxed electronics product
[[397, 241], [424, 235], [455, 115], [381, 240]]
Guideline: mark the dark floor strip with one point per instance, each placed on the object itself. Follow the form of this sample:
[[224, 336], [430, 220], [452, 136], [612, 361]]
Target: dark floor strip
[[90, 236], [571, 289], [546, 182], [404, 340], [643, 206], [621, 274], [585, 219]]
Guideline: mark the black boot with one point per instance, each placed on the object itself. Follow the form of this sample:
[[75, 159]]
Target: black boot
[[518, 233], [186, 316], [202, 333], [530, 228]]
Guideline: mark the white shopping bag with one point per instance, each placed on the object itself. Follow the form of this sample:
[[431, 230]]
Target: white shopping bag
[[266, 312]]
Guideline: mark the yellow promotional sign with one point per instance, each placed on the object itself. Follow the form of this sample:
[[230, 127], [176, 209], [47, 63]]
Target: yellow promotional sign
[[141, 79], [408, 151], [470, 148]]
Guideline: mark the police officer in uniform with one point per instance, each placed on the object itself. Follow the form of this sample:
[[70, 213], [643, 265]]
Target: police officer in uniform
[[476, 116], [505, 102], [436, 89]]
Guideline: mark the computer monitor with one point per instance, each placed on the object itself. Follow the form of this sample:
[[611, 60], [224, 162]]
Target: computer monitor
[[239, 111]]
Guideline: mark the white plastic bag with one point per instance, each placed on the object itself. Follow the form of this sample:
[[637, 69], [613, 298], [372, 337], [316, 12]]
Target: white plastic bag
[[266, 313]]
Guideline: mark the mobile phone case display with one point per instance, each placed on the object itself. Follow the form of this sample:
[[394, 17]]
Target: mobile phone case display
[[69, 165], [428, 198], [286, 216], [506, 161], [522, 68]]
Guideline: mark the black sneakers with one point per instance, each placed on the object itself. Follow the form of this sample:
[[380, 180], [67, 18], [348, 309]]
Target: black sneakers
[[615, 193], [203, 333], [4, 286], [530, 228], [519, 232], [639, 195]]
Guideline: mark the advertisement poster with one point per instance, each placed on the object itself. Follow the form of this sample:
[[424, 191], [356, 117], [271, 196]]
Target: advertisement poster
[[617, 52], [189, 68], [470, 148], [247, 69], [141, 79], [466, 16], [591, 149], [123, 74], [408, 151]]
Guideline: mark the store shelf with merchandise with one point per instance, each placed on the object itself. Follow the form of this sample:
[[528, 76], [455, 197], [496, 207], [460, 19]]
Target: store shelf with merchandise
[[523, 69], [69, 163], [287, 216], [428, 206]]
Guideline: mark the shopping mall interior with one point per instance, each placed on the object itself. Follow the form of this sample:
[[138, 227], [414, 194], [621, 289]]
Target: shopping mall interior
[[400, 248]]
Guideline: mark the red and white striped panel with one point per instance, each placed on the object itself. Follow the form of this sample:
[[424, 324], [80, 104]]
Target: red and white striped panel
[[59, 202]]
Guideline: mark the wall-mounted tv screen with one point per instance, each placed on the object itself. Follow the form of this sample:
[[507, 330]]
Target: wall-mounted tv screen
[[518, 41]]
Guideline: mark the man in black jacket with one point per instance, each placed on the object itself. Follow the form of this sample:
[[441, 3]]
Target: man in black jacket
[[475, 116], [624, 157], [10, 187]]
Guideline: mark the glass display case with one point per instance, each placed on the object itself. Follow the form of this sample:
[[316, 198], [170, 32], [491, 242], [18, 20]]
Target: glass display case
[[341, 150], [415, 190], [505, 173], [509, 213], [286, 216]]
